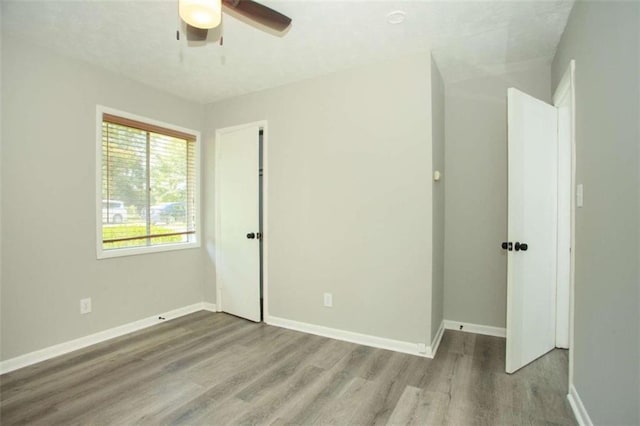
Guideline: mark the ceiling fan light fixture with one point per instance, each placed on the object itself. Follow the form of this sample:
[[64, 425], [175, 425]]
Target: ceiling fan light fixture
[[203, 14]]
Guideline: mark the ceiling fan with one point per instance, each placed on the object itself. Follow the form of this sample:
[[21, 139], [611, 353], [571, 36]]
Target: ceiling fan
[[200, 16]]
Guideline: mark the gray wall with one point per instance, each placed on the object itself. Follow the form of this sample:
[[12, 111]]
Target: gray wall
[[48, 210], [438, 137], [603, 38], [349, 196], [476, 188]]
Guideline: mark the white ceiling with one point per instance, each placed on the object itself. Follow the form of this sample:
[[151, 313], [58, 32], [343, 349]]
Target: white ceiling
[[137, 39]]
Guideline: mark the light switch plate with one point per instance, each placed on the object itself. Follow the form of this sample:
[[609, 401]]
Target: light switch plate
[[580, 195]]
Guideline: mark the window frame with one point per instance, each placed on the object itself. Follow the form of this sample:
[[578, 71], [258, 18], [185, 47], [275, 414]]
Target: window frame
[[131, 251]]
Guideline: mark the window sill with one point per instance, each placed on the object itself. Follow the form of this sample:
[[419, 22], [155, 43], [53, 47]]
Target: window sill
[[134, 251]]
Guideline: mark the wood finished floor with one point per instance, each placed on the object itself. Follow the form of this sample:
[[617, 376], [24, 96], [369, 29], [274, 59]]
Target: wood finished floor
[[212, 368]]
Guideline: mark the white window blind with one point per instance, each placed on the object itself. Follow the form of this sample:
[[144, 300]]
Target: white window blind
[[148, 185]]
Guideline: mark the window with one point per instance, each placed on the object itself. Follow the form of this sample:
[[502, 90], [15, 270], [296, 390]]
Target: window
[[148, 181]]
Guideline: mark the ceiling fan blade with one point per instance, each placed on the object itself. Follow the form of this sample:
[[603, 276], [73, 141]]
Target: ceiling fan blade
[[196, 34], [258, 13]]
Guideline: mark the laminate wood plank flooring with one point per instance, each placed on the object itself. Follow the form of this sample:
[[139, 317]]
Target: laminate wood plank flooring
[[215, 369]]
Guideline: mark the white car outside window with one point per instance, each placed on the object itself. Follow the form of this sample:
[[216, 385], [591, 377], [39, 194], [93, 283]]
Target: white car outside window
[[113, 211]]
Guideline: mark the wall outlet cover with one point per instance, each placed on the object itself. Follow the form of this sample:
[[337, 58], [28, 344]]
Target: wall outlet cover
[[85, 305], [328, 300]]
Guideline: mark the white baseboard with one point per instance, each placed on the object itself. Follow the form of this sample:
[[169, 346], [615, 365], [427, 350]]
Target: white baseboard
[[211, 307], [578, 408], [353, 337], [435, 343], [475, 328], [82, 342]]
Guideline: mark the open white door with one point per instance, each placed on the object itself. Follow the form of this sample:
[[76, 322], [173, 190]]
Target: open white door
[[532, 229], [237, 221]]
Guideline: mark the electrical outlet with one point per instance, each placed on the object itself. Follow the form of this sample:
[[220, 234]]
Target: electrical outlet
[[85, 305], [328, 300]]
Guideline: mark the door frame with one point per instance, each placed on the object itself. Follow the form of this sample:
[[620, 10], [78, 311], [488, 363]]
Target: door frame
[[262, 125], [565, 93]]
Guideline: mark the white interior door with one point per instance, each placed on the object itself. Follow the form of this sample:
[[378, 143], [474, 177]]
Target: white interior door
[[237, 221], [532, 221]]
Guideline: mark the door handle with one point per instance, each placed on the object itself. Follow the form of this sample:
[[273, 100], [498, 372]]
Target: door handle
[[507, 246], [251, 235], [521, 246]]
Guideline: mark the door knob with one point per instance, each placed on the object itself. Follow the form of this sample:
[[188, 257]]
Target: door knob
[[251, 235], [521, 246], [507, 246]]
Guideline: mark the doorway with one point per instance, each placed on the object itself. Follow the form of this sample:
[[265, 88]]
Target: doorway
[[541, 210], [564, 101], [240, 220]]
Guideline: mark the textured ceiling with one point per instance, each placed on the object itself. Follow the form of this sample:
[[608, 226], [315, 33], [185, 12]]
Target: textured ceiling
[[137, 39]]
